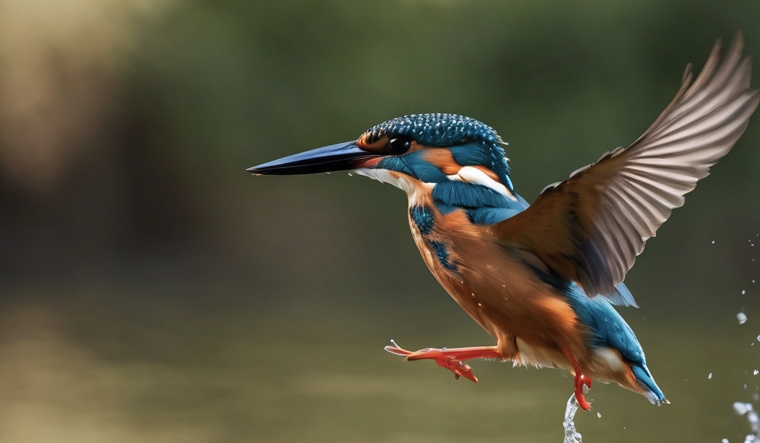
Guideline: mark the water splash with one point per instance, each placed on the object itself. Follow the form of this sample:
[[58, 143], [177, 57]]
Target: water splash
[[752, 418], [571, 435]]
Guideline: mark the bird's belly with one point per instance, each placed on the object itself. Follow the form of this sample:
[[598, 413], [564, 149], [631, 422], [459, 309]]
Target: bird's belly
[[539, 356], [512, 304], [498, 291]]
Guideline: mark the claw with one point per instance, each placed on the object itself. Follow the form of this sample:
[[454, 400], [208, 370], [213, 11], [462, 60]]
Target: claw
[[395, 349], [440, 356], [458, 367]]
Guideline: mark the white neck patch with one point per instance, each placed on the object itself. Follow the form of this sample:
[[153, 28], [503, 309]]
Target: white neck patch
[[469, 174], [407, 184]]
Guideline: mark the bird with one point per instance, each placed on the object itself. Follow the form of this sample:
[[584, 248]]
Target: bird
[[542, 278]]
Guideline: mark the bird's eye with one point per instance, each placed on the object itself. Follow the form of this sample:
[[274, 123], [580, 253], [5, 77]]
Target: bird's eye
[[399, 145]]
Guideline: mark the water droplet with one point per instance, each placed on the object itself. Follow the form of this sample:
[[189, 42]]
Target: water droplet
[[755, 372], [725, 440], [350, 174], [709, 376], [741, 317], [753, 420], [742, 408], [599, 414], [713, 242], [743, 292], [758, 338]]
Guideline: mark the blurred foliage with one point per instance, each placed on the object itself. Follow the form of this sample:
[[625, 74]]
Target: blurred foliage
[[152, 289]]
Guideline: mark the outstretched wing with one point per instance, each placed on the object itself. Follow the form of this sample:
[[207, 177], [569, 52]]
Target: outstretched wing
[[591, 227]]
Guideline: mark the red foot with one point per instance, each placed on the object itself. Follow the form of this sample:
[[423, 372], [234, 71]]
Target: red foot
[[443, 357], [580, 381]]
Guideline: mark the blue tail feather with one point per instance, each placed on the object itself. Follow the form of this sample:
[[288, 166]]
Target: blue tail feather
[[609, 330]]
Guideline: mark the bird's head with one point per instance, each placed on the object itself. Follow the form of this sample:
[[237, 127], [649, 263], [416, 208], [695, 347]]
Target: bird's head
[[411, 150]]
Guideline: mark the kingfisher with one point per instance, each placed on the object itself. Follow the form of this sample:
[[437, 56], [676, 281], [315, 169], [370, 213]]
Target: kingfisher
[[542, 278]]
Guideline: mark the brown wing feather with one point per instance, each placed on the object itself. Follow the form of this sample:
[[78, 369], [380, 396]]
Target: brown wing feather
[[591, 227]]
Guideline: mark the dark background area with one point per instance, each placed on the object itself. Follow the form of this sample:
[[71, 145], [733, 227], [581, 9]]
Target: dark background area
[[150, 289]]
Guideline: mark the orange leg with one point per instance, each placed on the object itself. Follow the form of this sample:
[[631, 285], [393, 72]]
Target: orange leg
[[580, 380], [451, 359]]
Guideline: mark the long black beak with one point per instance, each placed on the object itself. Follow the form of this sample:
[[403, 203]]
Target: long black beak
[[341, 157]]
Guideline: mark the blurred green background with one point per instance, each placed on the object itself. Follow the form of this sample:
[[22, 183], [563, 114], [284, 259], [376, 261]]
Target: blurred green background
[[151, 290]]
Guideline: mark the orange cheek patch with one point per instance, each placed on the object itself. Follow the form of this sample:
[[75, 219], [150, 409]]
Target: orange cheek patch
[[443, 160]]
